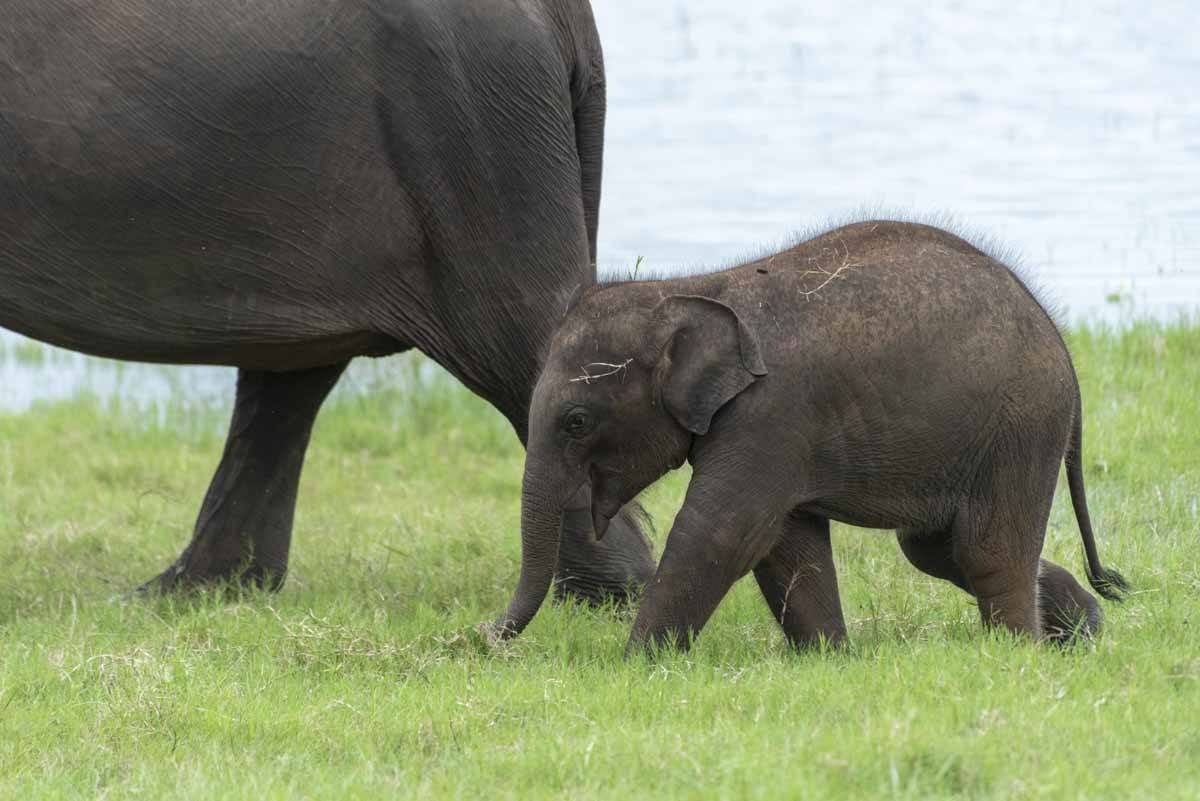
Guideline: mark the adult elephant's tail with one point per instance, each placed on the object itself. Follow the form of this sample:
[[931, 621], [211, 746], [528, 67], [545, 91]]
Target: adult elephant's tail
[[1109, 583]]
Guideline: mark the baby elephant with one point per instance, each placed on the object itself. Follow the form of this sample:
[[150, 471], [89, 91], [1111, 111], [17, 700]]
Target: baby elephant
[[884, 374]]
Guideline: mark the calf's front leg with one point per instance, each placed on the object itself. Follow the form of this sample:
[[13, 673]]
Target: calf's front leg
[[722, 530]]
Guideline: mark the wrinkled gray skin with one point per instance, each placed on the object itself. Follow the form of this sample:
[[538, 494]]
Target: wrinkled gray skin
[[885, 375], [284, 185]]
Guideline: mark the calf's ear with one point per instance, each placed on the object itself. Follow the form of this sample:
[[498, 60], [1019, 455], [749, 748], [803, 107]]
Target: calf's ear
[[707, 355]]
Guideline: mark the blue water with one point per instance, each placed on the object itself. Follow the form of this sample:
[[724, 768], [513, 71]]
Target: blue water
[[1069, 131]]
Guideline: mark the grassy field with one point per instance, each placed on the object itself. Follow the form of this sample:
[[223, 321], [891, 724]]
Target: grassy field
[[363, 678]]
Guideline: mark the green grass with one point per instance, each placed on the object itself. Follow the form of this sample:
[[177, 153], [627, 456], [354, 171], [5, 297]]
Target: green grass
[[363, 677]]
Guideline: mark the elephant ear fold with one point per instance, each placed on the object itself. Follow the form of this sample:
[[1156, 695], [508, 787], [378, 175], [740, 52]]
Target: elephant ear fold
[[707, 357]]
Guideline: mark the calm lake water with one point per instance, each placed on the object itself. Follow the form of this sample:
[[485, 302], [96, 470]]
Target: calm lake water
[[1069, 131]]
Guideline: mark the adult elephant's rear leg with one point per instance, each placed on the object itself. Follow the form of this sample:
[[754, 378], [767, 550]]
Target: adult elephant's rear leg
[[613, 568], [244, 528]]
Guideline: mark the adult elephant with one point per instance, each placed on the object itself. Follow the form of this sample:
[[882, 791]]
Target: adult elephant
[[281, 186]]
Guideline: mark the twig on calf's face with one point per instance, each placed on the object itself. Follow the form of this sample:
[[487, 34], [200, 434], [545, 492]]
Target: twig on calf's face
[[613, 369]]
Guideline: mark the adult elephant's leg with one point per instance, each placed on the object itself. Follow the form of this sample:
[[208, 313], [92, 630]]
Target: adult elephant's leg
[[1067, 610], [799, 582], [613, 568], [245, 524]]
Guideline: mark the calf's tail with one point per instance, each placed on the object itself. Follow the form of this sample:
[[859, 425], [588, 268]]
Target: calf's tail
[[1109, 583]]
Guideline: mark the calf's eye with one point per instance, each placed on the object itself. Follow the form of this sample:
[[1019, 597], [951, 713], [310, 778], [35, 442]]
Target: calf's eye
[[577, 422]]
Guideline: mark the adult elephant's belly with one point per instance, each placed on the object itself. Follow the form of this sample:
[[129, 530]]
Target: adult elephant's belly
[[243, 262], [185, 323], [191, 183], [140, 275]]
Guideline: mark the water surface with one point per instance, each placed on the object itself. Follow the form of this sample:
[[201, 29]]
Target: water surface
[[1067, 130]]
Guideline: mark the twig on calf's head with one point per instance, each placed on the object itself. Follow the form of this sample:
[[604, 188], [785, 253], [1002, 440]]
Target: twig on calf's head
[[613, 369]]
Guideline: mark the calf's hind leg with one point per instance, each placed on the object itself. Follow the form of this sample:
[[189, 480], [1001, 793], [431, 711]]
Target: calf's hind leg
[[244, 528], [799, 582], [996, 533], [1004, 585], [1066, 609]]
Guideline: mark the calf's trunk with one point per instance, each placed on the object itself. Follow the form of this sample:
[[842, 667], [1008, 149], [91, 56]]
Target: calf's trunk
[[544, 493]]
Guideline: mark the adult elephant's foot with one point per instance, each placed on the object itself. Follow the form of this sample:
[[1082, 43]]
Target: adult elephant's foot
[[1069, 612], [244, 529], [614, 568], [220, 555]]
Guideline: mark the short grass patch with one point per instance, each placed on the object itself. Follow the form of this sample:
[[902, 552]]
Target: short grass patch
[[364, 678]]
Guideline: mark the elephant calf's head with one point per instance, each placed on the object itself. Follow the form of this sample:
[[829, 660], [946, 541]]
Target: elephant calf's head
[[631, 377]]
